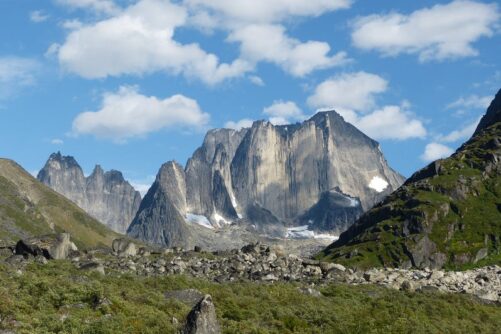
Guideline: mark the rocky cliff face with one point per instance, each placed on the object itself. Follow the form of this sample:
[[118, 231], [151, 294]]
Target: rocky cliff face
[[286, 169], [106, 196], [161, 216], [277, 172], [447, 214]]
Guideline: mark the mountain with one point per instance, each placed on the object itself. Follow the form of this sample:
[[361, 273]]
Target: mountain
[[106, 196], [29, 208], [288, 174], [446, 215], [161, 216]]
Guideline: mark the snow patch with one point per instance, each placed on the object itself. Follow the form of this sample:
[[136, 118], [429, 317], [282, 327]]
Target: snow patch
[[199, 220], [220, 219], [302, 232], [378, 184]]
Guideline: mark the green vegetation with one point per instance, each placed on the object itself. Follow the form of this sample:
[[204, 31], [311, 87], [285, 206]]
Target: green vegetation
[[29, 208], [58, 298], [459, 210]]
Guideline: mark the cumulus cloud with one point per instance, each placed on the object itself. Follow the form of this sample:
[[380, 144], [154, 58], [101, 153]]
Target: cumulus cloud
[[460, 134], [140, 40], [16, 73], [57, 141], [440, 32], [97, 6], [271, 44], [236, 12], [349, 91], [243, 123], [391, 122], [126, 114], [256, 80], [284, 112], [38, 16], [471, 102], [353, 95], [435, 151]]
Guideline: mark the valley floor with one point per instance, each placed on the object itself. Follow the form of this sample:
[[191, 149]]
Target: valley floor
[[56, 297]]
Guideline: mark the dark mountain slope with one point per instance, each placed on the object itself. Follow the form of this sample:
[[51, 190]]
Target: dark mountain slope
[[447, 214]]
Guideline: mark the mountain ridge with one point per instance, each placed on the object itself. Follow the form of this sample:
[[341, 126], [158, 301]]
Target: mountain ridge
[[446, 214], [107, 196]]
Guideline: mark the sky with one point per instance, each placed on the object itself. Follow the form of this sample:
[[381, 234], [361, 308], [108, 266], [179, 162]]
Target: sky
[[131, 84]]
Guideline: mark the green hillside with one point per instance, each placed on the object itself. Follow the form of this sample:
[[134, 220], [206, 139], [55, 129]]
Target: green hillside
[[29, 208], [446, 215]]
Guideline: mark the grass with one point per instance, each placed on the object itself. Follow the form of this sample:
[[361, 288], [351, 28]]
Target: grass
[[29, 208], [459, 223], [57, 298]]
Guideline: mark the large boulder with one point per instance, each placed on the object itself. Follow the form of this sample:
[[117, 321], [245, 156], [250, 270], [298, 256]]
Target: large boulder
[[202, 318], [51, 246], [124, 247]]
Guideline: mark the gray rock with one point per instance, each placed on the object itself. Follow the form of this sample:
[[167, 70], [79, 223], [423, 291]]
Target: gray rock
[[93, 267], [124, 247], [52, 246], [202, 318], [264, 178], [161, 216], [106, 196], [481, 254], [310, 292]]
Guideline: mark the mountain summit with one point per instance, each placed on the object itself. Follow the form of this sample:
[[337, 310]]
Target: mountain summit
[[277, 172], [447, 214], [106, 196]]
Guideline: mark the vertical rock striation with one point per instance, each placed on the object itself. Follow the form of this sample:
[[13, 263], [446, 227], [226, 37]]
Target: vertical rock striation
[[106, 196], [161, 216], [323, 172]]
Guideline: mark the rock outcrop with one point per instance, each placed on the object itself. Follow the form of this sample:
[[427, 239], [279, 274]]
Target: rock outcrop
[[106, 196], [161, 216], [202, 318], [447, 214], [52, 246], [270, 177]]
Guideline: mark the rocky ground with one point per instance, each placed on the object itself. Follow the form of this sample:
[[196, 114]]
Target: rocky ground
[[258, 263]]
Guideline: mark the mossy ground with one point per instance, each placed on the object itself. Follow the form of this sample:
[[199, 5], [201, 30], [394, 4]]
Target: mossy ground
[[29, 208], [459, 210], [58, 298]]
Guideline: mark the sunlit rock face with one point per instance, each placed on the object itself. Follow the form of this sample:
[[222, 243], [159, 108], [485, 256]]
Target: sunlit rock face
[[106, 196], [322, 173]]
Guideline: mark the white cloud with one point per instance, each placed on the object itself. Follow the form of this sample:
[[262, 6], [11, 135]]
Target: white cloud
[[439, 32], [471, 102], [72, 24], [435, 151], [391, 122], [98, 6], [284, 112], [270, 43], [349, 91], [460, 134], [237, 12], [257, 80], [127, 113], [353, 96], [15, 73], [139, 40], [57, 141], [243, 123], [38, 16]]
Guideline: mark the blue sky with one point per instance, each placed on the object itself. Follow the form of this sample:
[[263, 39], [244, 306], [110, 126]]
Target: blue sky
[[131, 84]]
